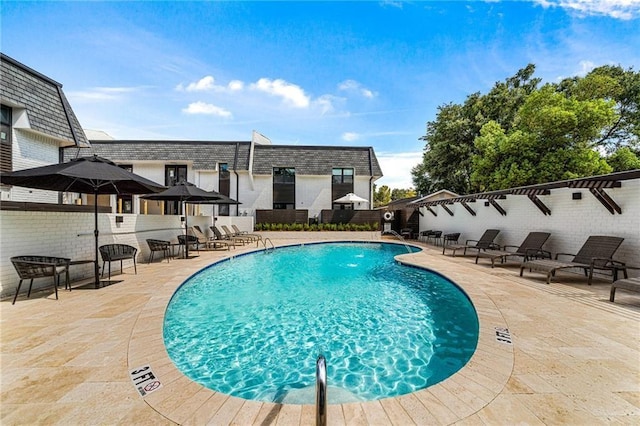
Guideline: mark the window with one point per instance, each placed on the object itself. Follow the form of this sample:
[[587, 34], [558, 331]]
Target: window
[[341, 184], [284, 188], [6, 162], [342, 176], [125, 201], [173, 175], [224, 187]]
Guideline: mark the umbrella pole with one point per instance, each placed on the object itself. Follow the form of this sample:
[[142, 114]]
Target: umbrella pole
[[186, 235], [96, 269]]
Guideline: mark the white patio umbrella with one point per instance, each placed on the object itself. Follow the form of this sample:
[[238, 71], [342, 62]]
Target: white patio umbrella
[[350, 198]]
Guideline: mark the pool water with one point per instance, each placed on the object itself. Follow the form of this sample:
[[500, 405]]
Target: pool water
[[253, 326]]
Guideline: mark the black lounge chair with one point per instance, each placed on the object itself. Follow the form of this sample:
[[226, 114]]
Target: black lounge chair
[[530, 247], [484, 243], [450, 239], [596, 253], [629, 284]]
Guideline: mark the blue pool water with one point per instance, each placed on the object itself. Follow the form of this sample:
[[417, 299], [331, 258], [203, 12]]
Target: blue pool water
[[254, 325]]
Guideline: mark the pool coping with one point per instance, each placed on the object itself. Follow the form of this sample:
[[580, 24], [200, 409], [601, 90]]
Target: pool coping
[[480, 381]]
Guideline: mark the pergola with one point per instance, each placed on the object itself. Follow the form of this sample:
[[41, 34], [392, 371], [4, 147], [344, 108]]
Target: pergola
[[595, 184]]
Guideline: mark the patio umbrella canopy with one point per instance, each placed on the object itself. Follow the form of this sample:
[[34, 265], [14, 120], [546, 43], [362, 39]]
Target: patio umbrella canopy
[[349, 199], [186, 192], [86, 175]]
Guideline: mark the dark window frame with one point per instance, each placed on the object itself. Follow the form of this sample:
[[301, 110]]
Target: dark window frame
[[174, 207], [284, 188], [6, 140]]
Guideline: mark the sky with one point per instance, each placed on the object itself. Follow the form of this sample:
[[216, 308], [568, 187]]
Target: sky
[[366, 73]]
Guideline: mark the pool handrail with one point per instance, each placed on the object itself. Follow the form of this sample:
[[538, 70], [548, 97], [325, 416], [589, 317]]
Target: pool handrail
[[321, 391], [264, 243]]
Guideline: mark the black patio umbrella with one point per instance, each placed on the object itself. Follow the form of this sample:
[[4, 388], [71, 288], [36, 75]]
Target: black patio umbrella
[[186, 192], [85, 175]]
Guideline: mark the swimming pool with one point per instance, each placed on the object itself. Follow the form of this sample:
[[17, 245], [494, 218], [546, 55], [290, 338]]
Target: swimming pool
[[253, 326]]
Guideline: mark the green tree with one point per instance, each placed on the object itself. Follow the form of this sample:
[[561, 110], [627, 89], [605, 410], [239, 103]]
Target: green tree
[[553, 138], [624, 159], [399, 194], [381, 196], [449, 140], [620, 86]]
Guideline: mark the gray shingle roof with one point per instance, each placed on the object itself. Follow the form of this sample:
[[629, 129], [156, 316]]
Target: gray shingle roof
[[308, 160], [204, 155], [47, 107], [315, 160]]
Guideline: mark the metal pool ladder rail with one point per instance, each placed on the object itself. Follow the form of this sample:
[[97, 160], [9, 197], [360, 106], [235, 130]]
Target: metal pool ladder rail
[[321, 391], [264, 243]]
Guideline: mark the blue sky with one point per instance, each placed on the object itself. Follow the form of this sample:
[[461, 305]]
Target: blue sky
[[368, 73]]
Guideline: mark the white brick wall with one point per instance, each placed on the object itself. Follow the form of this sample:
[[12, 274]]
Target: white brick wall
[[571, 221], [71, 235]]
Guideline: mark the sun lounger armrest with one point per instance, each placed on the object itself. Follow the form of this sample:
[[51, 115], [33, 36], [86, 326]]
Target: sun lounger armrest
[[564, 254], [536, 253], [508, 245], [470, 241], [606, 262], [494, 246]]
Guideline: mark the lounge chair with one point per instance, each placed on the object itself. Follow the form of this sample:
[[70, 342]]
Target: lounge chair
[[484, 243], [207, 242], [530, 247], [238, 232], [229, 234], [595, 253], [230, 239], [629, 284]]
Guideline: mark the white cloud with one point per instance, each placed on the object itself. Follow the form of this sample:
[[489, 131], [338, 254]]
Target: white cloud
[[350, 136], [355, 87], [396, 168], [290, 93], [617, 9], [207, 84], [586, 67], [206, 109], [103, 93]]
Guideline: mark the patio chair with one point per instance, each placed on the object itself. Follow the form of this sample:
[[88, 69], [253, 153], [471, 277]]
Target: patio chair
[[117, 252], [31, 267], [183, 240], [530, 247], [245, 239], [159, 245], [596, 253], [449, 239], [484, 243], [208, 242], [238, 232], [434, 235]]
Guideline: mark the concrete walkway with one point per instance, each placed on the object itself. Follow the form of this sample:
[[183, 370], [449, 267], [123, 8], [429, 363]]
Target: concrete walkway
[[574, 357]]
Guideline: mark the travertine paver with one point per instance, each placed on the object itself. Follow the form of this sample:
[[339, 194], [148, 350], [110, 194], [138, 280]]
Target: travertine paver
[[575, 357]]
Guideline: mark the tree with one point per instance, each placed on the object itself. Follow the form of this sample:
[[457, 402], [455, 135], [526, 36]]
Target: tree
[[620, 86], [399, 194], [449, 140], [624, 159], [382, 196], [553, 138]]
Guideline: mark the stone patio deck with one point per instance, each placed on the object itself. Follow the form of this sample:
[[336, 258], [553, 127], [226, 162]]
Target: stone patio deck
[[575, 357]]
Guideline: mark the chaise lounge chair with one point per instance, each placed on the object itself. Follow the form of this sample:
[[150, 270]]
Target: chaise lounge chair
[[629, 284], [530, 247], [209, 243], [596, 253], [239, 233], [229, 239], [232, 235], [484, 243]]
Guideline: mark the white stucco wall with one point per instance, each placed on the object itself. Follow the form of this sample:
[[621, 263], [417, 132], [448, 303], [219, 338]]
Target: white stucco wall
[[571, 221]]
